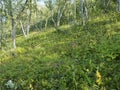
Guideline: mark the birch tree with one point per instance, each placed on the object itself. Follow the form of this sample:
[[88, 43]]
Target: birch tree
[[75, 12], [50, 6], [14, 16], [2, 20], [29, 13], [84, 11], [61, 9], [13, 32], [118, 6], [61, 6]]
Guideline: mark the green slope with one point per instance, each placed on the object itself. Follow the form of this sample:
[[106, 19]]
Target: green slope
[[76, 58]]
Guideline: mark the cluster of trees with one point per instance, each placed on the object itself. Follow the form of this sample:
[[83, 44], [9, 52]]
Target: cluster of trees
[[21, 14], [15, 14]]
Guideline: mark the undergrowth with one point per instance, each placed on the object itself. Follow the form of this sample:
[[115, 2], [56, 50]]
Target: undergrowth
[[76, 58]]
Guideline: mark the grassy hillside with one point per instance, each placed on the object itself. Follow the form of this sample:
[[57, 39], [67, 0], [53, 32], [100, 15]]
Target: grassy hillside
[[76, 58]]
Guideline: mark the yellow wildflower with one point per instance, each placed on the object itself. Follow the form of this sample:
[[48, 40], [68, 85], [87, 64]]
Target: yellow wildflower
[[98, 77]]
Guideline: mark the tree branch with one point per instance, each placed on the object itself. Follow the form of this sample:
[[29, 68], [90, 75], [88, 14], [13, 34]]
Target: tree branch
[[23, 8]]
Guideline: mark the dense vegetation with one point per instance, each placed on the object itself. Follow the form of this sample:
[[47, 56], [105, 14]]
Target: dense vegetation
[[73, 57]]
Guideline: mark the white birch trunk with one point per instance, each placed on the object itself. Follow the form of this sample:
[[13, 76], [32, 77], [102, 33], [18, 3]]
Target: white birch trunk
[[46, 22], [60, 13], [68, 12], [84, 12], [29, 18], [75, 12], [58, 17], [52, 13], [28, 30], [13, 35], [118, 6], [23, 29]]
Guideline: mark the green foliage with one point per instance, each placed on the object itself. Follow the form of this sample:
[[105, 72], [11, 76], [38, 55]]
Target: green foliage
[[75, 58]]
